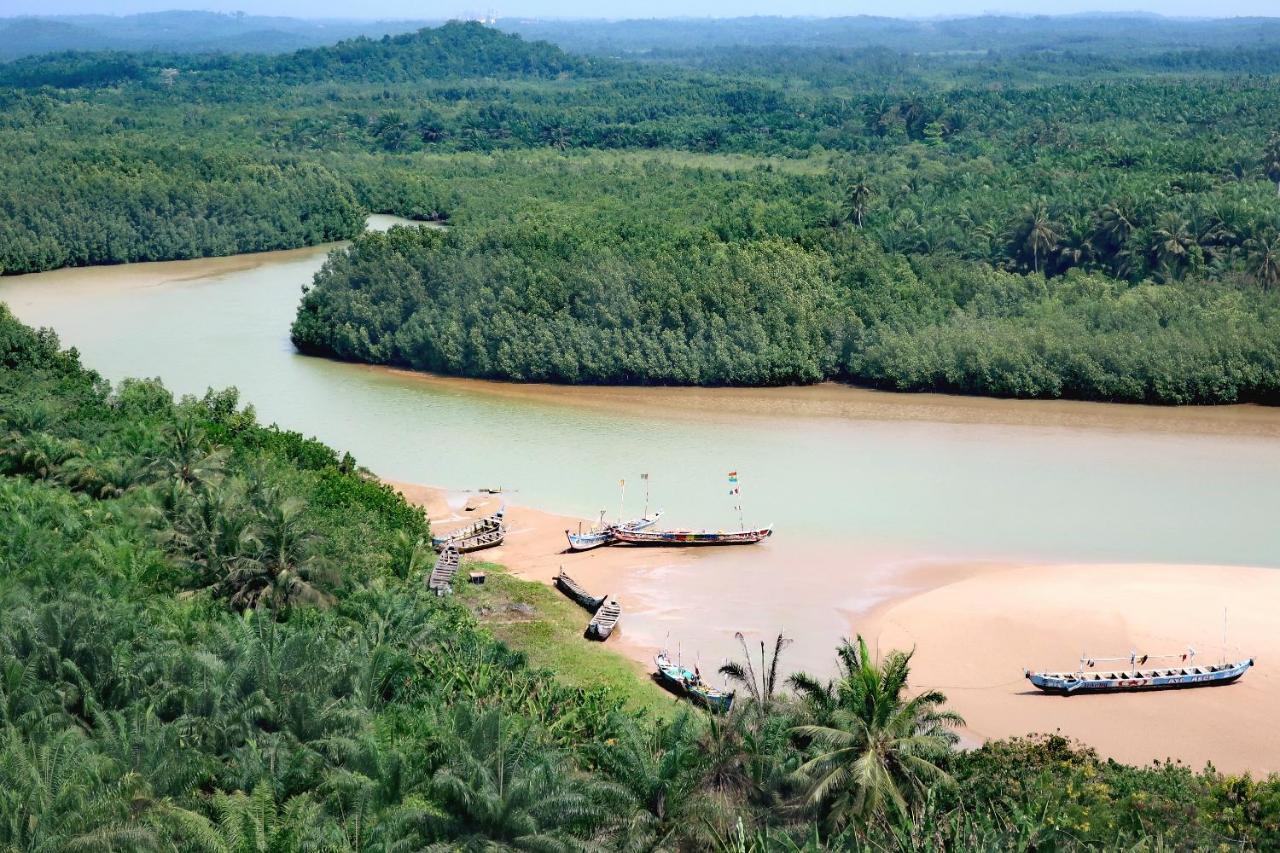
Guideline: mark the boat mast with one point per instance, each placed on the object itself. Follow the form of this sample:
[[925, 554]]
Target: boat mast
[[736, 492], [622, 485], [645, 477], [1224, 635]]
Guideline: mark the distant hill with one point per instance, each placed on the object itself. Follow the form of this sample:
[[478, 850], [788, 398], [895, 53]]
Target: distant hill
[[183, 32], [454, 50]]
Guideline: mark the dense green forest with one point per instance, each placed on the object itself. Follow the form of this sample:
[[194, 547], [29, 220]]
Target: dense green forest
[[1010, 209], [217, 637]]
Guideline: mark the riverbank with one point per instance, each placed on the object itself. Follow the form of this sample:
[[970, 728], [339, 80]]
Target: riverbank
[[975, 627]]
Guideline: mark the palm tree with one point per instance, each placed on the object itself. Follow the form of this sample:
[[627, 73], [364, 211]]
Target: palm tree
[[1271, 160], [500, 790], [1035, 231], [660, 767], [1264, 258], [760, 686], [190, 458], [876, 752], [857, 198], [1173, 246], [285, 566]]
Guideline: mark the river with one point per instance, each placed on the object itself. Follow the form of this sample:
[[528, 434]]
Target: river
[[858, 483]]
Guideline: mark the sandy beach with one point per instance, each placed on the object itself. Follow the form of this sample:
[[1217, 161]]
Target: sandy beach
[[974, 636], [976, 626]]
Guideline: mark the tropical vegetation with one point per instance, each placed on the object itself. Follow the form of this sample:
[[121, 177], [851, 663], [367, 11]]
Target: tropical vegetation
[[217, 637]]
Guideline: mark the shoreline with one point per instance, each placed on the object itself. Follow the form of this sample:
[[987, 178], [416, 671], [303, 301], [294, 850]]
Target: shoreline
[[976, 625]]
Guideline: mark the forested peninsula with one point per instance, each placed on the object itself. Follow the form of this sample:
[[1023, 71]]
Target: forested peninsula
[[1039, 221]]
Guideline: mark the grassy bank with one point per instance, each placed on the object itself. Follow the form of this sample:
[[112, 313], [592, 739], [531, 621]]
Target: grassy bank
[[535, 619]]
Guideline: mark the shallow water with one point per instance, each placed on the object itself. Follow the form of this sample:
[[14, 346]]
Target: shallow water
[[858, 483]]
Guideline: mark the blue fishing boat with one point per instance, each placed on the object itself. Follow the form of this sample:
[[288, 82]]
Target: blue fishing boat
[[606, 534], [1137, 677], [689, 683]]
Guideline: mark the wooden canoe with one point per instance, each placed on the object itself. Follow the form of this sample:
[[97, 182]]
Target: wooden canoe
[[693, 537], [488, 532], [605, 620], [442, 574], [580, 596], [1072, 683]]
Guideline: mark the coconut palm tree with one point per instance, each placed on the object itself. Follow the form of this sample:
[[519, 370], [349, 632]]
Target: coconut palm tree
[[660, 768], [1264, 259], [190, 457], [501, 790], [760, 686], [1035, 232], [877, 751], [284, 566], [1271, 160], [1173, 246], [857, 200]]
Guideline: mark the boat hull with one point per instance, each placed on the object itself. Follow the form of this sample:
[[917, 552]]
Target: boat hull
[[485, 533], [599, 538], [686, 684], [1067, 684], [577, 594], [692, 538]]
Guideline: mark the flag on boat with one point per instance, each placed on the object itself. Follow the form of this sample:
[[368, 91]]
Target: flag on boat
[[733, 476], [644, 476]]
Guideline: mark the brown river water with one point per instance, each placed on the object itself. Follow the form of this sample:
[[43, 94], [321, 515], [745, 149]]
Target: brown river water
[[865, 488]]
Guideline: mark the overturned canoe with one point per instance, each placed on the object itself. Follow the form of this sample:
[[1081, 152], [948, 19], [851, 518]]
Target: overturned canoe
[[604, 534], [488, 532], [442, 574], [688, 683], [605, 620], [693, 537], [574, 590], [1071, 683]]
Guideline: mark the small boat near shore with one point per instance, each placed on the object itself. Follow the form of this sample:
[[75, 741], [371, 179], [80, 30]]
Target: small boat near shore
[[604, 621], [689, 684], [442, 573], [605, 534], [487, 532], [580, 596], [1136, 678], [693, 537]]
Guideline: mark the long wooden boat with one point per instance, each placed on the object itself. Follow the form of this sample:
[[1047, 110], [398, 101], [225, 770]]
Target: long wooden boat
[[1136, 679], [605, 620], [441, 579], [693, 537], [488, 532], [690, 685], [580, 596], [604, 534]]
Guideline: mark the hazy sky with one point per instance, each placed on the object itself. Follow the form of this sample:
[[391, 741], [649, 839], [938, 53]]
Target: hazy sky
[[630, 9]]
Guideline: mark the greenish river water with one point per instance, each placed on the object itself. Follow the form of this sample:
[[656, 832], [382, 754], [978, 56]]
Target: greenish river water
[[858, 483]]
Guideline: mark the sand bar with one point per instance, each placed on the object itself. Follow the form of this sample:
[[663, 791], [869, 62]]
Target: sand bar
[[973, 637]]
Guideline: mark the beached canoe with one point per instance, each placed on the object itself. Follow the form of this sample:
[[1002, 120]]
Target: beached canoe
[[605, 620], [488, 532], [689, 684], [441, 579], [693, 537], [1072, 683], [580, 596], [605, 534]]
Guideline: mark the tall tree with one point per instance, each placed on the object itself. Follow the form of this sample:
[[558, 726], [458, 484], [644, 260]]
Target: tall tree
[[879, 751]]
